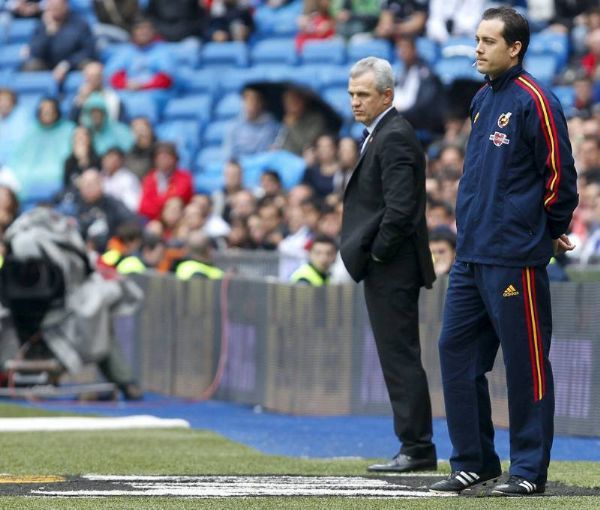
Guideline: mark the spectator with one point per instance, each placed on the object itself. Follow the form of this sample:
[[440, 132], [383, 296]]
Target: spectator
[[450, 158], [38, 160], [400, 18], [199, 260], [440, 215], [230, 20], [232, 177], [118, 181], [82, 157], [442, 243], [259, 236], [271, 189], [355, 16], [584, 96], [106, 132], [271, 218], [213, 225], [326, 175], [301, 125], [239, 235], [115, 19], [143, 64], [93, 73], [141, 156], [588, 154], [170, 218], [419, 95], [303, 224], [253, 131], [176, 20], [166, 180], [348, 158], [321, 257], [61, 42], [14, 123], [25, 8], [9, 208], [99, 215], [243, 205], [453, 18], [591, 60], [316, 23]]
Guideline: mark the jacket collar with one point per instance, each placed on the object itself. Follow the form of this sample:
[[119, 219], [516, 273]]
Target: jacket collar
[[501, 81]]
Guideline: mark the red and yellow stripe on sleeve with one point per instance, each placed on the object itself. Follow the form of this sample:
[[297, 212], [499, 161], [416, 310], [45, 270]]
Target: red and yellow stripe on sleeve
[[548, 127]]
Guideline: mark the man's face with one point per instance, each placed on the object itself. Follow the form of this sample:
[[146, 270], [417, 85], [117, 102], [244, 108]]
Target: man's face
[[252, 104], [143, 34], [165, 161], [494, 55], [322, 256], [92, 74], [367, 102], [111, 162], [7, 103], [58, 9], [443, 256]]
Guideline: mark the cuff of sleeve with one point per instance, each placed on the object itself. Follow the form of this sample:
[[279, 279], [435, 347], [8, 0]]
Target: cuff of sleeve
[[557, 229]]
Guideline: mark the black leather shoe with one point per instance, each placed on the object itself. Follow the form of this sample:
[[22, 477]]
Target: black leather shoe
[[404, 464]]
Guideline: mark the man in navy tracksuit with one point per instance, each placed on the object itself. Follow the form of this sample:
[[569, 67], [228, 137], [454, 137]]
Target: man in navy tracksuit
[[514, 205]]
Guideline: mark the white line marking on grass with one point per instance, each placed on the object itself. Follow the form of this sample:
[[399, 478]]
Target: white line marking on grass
[[63, 423], [236, 486]]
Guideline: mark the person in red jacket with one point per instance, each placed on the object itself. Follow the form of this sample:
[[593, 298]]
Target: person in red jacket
[[164, 181]]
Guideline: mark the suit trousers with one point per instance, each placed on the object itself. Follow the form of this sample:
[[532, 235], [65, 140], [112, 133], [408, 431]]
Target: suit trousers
[[487, 306], [392, 298]]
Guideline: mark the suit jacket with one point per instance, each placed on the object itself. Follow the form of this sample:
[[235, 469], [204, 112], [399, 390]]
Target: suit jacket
[[384, 202]]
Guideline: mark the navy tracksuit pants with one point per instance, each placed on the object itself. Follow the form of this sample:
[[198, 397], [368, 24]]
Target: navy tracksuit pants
[[487, 306]]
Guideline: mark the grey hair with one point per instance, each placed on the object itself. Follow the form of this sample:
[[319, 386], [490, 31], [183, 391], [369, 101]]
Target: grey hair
[[381, 69]]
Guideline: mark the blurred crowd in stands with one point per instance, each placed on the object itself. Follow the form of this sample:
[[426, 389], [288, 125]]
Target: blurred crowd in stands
[[172, 128]]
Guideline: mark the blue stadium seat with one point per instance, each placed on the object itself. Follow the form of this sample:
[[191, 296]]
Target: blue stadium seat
[[72, 82], [566, 96], [428, 50], [289, 167], [215, 132], [330, 51], [459, 47], [339, 99], [450, 69], [550, 42], [281, 21], [207, 157], [224, 54], [275, 72], [21, 30], [356, 130], [369, 48], [196, 107], [200, 81], [37, 83], [10, 56], [185, 53], [331, 76], [109, 51], [228, 107], [274, 51], [140, 104], [543, 67], [233, 80], [184, 133], [29, 101], [208, 183]]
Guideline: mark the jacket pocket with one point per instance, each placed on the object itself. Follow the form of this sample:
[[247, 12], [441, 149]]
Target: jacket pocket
[[516, 217]]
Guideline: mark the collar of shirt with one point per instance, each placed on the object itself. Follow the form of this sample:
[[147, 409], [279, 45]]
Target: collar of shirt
[[371, 127], [504, 78]]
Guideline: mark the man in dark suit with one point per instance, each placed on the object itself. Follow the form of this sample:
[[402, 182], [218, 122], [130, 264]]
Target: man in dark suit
[[384, 243]]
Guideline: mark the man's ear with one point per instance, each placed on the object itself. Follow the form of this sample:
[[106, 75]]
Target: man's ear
[[389, 96], [515, 49]]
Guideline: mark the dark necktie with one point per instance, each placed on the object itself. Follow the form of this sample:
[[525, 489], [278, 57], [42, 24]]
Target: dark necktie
[[361, 142]]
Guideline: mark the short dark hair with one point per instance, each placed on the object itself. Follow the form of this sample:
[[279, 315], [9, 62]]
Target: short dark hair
[[443, 234], [516, 27], [324, 239]]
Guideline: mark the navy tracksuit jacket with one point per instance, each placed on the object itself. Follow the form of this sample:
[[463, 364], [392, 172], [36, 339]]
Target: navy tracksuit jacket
[[517, 193]]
